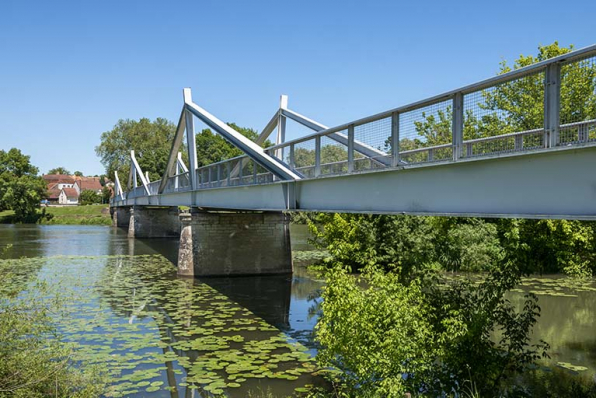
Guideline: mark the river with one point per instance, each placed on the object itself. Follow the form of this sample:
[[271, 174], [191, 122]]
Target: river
[[159, 335]]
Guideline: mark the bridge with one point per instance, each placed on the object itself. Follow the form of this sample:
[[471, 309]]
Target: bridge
[[520, 144]]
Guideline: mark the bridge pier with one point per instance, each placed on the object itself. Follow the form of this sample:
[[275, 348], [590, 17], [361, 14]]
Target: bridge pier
[[120, 216], [234, 243], [154, 222]]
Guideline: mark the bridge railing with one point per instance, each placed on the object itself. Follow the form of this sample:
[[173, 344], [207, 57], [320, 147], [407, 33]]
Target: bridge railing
[[548, 104], [237, 171], [178, 183]]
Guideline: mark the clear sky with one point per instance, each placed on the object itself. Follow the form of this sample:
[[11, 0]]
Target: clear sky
[[70, 70]]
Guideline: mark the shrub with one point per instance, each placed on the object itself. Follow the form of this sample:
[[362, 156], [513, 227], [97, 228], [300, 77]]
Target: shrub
[[387, 338], [89, 197]]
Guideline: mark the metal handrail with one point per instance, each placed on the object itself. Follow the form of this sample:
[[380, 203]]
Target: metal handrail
[[504, 78]]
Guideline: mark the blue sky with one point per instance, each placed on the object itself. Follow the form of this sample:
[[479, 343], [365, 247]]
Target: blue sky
[[70, 70]]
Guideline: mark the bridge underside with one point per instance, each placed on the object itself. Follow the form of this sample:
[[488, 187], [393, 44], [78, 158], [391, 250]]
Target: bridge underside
[[555, 183]]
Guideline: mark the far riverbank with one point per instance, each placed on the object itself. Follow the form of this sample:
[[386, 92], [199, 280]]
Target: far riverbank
[[69, 215]]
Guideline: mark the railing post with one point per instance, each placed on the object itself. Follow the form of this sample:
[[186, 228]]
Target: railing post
[[394, 139], [582, 133], [229, 170], [518, 144], [254, 172], [458, 125], [350, 148], [318, 156], [552, 104], [292, 163], [219, 175]]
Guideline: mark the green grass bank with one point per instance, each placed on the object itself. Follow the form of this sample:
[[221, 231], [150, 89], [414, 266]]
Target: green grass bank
[[69, 215]]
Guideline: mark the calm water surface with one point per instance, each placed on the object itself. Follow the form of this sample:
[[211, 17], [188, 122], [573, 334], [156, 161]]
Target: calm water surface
[[165, 336]]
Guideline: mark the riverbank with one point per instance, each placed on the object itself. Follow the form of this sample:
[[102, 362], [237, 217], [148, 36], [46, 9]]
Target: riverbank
[[69, 215]]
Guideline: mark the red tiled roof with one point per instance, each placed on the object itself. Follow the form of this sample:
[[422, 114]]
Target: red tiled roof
[[70, 192], [53, 193], [54, 184], [91, 183], [58, 177]]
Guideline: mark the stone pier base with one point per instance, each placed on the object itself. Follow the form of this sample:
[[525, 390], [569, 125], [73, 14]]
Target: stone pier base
[[154, 222], [120, 216], [234, 243]]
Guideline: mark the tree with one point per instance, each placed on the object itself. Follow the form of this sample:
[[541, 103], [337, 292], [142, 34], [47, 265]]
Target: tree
[[59, 170], [89, 197], [106, 194], [151, 141], [213, 148], [21, 190], [428, 336], [78, 173], [520, 103]]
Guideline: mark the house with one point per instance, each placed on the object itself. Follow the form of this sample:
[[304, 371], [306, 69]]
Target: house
[[91, 183], [65, 189], [57, 182], [68, 196]]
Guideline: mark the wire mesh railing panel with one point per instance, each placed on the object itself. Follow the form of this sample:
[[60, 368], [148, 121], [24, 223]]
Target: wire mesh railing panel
[[500, 111], [304, 158], [282, 153], [578, 102], [334, 155], [178, 183], [235, 166], [153, 187], [249, 173], [203, 177], [372, 144], [427, 154], [263, 175], [426, 127], [137, 192]]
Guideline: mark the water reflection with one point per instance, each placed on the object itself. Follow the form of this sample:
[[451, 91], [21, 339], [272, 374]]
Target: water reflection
[[567, 320]]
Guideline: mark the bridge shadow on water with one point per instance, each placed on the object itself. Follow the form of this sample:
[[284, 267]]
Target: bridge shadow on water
[[267, 296]]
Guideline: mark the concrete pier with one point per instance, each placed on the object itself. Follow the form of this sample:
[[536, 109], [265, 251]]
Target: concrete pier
[[234, 243], [120, 216], [154, 222]]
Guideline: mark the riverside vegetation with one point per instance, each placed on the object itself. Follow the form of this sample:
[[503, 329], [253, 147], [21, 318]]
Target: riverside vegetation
[[402, 326]]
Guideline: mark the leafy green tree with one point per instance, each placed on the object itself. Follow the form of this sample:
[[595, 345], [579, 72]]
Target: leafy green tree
[[106, 194], [430, 336], [89, 197], [59, 170], [376, 330], [213, 148], [78, 173], [151, 141], [21, 190], [520, 103], [550, 246], [496, 343]]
